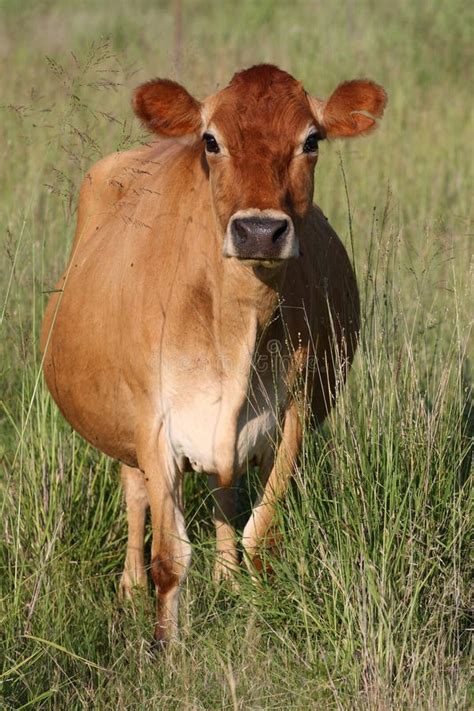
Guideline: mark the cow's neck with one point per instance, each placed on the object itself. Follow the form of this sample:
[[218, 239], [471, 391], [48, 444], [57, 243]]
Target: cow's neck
[[246, 305]]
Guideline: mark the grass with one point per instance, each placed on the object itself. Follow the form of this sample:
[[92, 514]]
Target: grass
[[369, 605]]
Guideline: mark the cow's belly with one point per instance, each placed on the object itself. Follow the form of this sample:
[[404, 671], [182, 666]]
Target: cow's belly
[[214, 437]]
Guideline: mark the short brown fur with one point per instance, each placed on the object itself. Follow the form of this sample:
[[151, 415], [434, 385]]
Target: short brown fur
[[162, 572], [154, 343]]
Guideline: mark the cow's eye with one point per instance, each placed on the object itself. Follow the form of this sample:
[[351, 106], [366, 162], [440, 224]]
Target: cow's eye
[[211, 144], [311, 143]]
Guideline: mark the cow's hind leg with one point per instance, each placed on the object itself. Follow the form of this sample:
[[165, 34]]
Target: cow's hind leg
[[136, 500], [258, 527], [171, 550], [226, 546]]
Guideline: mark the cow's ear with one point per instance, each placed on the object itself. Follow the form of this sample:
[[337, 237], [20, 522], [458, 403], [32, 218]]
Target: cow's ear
[[351, 110], [166, 108]]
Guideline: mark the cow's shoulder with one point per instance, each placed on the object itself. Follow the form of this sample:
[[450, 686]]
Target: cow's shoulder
[[322, 239], [108, 182], [324, 273]]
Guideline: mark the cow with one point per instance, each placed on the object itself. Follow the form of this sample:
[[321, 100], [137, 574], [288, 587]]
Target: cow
[[208, 313]]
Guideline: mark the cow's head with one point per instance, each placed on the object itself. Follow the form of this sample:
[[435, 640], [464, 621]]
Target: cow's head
[[260, 136]]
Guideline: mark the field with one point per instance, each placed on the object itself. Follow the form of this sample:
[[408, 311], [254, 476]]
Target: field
[[369, 606]]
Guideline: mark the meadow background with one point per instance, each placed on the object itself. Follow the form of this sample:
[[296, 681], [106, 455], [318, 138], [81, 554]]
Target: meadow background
[[369, 608]]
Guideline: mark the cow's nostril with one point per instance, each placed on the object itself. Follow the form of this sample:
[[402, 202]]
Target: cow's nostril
[[241, 229], [280, 230]]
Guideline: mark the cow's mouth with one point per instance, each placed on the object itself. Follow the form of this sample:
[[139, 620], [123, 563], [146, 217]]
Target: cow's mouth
[[261, 238], [265, 263]]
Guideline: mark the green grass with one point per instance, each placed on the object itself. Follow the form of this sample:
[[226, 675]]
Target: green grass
[[369, 605]]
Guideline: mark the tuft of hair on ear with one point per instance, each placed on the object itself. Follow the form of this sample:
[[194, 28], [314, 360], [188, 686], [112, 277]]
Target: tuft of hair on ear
[[353, 108], [166, 108]]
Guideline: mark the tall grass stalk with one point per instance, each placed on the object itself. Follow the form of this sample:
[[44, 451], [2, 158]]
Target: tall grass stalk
[[368, 604]]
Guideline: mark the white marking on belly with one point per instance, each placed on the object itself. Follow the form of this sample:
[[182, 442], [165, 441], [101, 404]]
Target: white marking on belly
[[204, 428]]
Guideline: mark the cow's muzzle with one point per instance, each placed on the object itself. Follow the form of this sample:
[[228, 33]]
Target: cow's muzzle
[[257, 236]]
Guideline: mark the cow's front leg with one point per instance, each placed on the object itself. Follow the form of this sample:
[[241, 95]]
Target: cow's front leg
[[257, 529], [171, 550], [224, 514], [136, 500]]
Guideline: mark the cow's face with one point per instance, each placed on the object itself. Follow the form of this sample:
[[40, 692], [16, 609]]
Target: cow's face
[[260, 138]]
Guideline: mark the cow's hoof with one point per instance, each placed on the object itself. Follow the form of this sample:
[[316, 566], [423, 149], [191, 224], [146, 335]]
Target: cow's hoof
[[130, 587], [224, 575], [159, 646]]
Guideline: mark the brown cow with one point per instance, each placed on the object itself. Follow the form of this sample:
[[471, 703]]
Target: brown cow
[[208, 308]]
